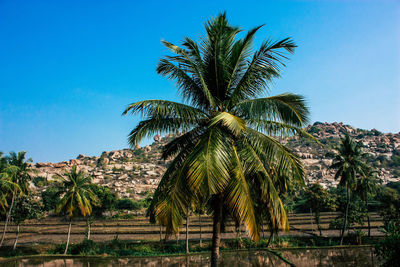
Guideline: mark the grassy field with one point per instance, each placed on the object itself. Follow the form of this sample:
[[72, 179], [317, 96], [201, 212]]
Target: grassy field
[[54, 230]]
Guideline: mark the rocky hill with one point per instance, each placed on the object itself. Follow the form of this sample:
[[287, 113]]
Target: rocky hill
[[134, 172]]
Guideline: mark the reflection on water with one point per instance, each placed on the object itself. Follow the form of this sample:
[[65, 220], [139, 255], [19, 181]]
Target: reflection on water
[[300, 257], [332, 257]]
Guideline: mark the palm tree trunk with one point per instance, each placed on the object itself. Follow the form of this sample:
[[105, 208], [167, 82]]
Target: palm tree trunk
[[262, 228], [69, 234], [311, 220], [160, 233], [88, 226], [187, 230], [345, 216], [368, 219], [8, 218], [201, 240], [270, 238], [318, 222], [16, 238], [216, 238]]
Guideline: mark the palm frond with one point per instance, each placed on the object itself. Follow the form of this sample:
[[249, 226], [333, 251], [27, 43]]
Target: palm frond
[[264, 66], [235, 124], [203, 91], [164, 108], [209, 161], [157, 125], [269, 194], [239, 199], [286, 108], [184, 142]]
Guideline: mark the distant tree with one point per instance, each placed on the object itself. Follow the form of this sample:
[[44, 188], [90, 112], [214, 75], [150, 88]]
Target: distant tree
[[394, 185], [356, 211], [128, 204], [319, 199], [349, 164], [367, 184], [77, 197], [7, 186], [24, 173], [3, 162], [50, 198], [389, 200], [107, 199], [25, 209]]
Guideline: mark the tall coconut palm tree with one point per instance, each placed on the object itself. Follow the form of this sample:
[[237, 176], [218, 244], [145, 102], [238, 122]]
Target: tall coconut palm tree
[[349, 164], [229, 122], [20, 175], [77, 197]]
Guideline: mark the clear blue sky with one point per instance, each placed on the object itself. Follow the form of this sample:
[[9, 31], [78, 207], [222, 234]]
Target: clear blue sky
[[68, 68]]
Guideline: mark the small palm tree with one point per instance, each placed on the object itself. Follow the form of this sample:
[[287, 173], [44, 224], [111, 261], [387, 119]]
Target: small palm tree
[[19, 172], [349, 164], [7, 186], [367, 184], [77, 197], [230, 123], [319, 199], [5, 183], [24, 173], [3, 162]]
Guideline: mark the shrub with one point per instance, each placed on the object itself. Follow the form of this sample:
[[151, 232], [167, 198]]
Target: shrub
[[388, 249], [50, 198], [174, 248], [108, 199], [59, 249], [143, 249], [123, 216], [39, 181], [128, 204], [86, 247]]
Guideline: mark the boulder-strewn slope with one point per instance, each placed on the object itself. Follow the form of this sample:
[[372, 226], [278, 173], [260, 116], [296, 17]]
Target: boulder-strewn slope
[[383, 151], [131, 173]]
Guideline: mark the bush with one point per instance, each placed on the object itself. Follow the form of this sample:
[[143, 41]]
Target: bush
[[175, 248], [394, 185], [388, 249], [128, 204], [108, 199], [390, 205], [50, 198], [86, 247], [143, 249], [39, 181], [59, 249], [123, 216]]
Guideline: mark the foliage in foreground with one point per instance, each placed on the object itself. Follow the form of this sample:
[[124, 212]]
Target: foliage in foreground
[[388, 249], [118, 247]]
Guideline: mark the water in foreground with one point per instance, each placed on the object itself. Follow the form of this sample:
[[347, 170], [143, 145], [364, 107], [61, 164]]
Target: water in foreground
[[360, 256]]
